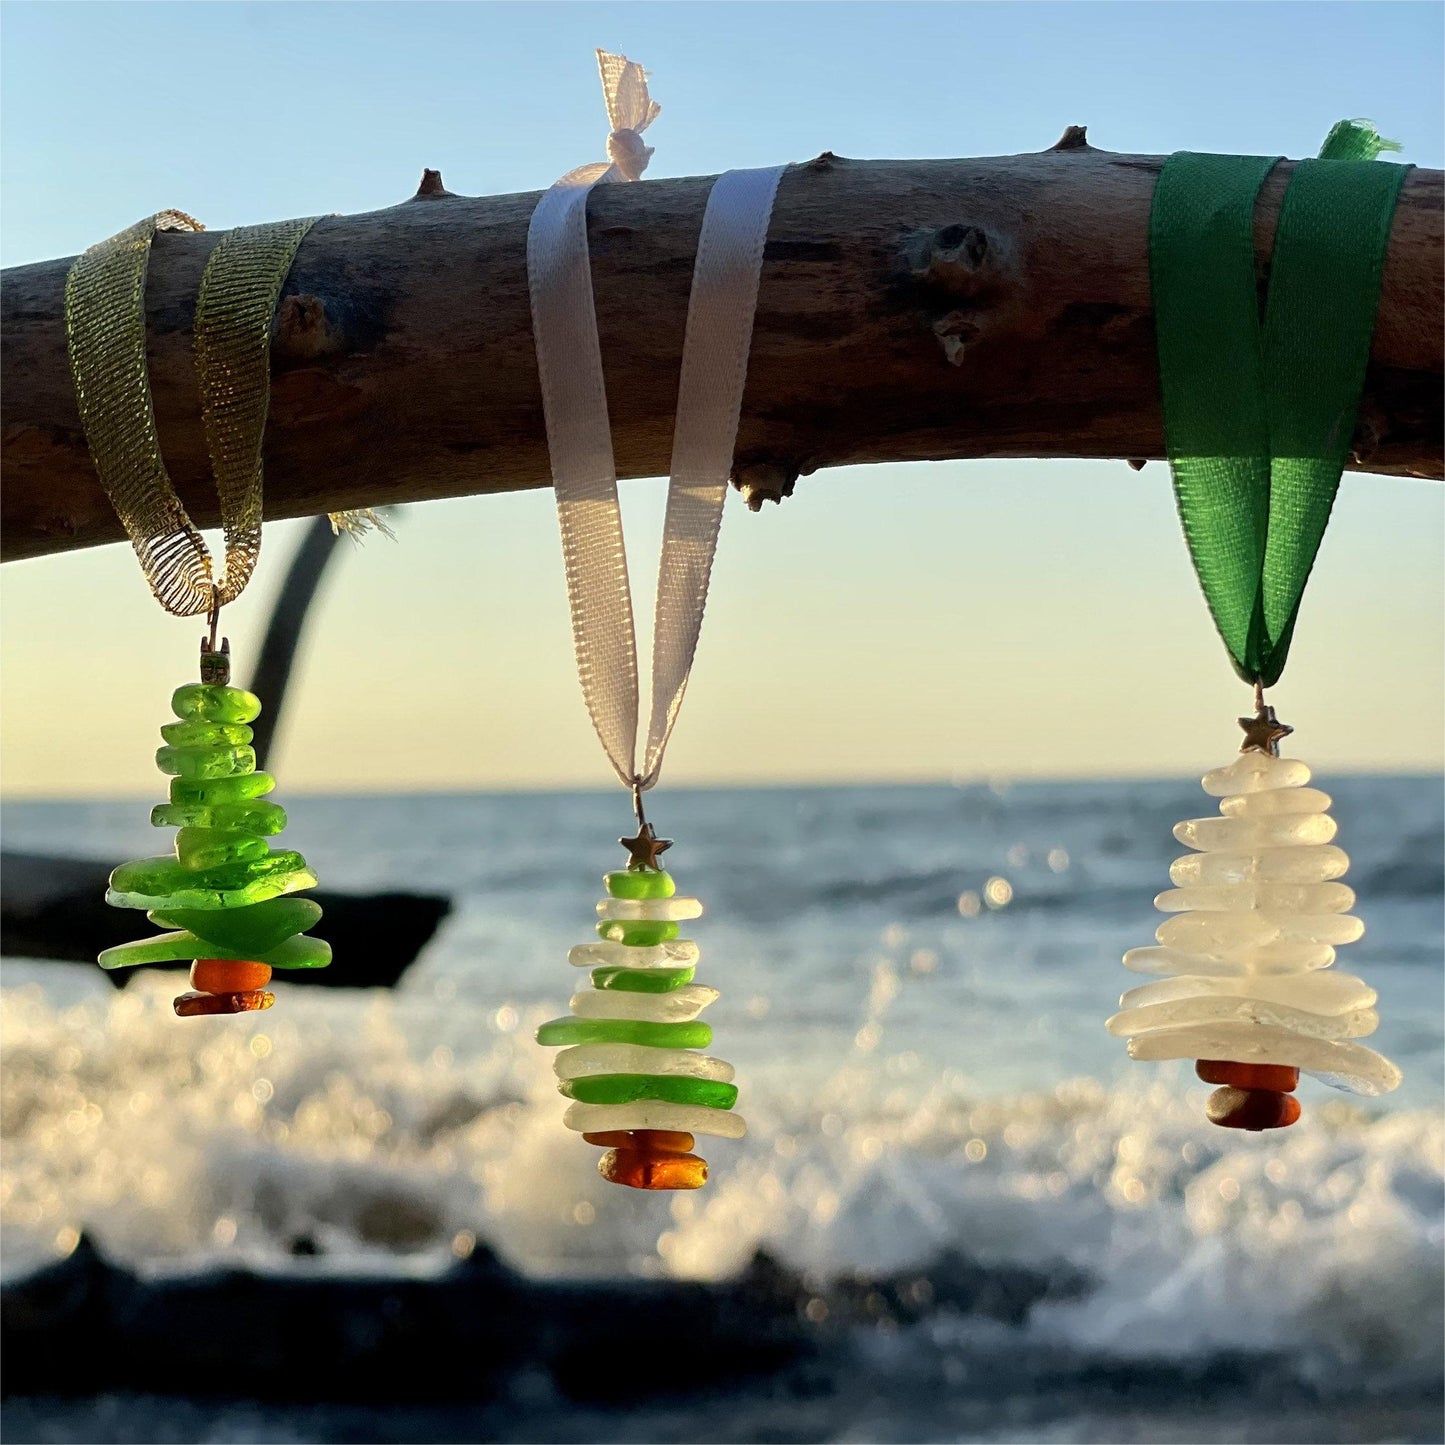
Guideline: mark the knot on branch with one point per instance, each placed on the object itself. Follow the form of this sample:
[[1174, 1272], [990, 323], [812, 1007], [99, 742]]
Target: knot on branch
[[960, 259], [303, 331], [764, 481], [954, 332]]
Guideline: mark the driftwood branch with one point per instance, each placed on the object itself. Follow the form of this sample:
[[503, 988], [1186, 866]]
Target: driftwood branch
[[909, 310]]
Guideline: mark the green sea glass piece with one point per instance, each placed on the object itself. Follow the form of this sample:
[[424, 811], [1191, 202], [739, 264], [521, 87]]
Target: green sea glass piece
[[639, 883], [214, 791], [625, 1031], [248, 932], [209, 702], [629, 1088], [162, 883], [642, 980], [205, 848], [637, 933], [196, 734], [255, 817], [164, 874], [297, 952], [237, 875], [206, 762]]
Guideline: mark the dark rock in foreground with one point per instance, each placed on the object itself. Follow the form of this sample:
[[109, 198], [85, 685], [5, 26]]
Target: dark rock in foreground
[[93, 1353], [84, 1326]]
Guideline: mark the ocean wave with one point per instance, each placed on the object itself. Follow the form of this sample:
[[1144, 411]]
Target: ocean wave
[[327, 1132]]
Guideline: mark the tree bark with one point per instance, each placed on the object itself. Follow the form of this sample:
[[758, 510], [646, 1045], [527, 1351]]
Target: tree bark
[[909, 310]]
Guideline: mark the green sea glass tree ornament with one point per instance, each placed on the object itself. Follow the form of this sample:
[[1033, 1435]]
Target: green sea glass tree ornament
[[227, 895]]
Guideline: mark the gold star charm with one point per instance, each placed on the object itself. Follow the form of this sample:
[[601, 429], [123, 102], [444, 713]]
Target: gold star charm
[[646, 848], [1263, 732]]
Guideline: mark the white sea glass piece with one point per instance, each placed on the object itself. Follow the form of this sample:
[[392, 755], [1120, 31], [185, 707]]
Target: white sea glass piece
[[582, 1060], [1216, 932], [1202, 1010], [676, 953], [1279, 957], [1245, 835], [1254, 773], [1268, 897], [1276, 803], [1331, 928], [1341, 1063], [1213, 932], [1316, 863], [680, 1006], [668, 910], [1264, 959], [1174, 960], [655, 1114], [1320, 993]]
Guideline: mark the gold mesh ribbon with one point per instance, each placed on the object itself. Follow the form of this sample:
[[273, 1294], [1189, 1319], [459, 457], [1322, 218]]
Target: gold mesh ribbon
[[105, 330], [239, 290], [105, 333]]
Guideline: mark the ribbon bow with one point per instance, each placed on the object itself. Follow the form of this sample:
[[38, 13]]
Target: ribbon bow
[[630, 110]]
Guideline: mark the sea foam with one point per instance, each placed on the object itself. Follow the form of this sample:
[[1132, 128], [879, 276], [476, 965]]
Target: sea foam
[[327, 1130]]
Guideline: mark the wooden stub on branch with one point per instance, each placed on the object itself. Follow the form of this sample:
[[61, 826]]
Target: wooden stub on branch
[[910, 310]]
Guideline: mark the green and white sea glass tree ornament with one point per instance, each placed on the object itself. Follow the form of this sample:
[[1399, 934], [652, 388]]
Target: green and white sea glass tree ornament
[[630, 1059]]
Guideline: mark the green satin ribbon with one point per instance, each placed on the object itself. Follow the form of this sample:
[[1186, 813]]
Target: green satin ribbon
[[1258, 416]]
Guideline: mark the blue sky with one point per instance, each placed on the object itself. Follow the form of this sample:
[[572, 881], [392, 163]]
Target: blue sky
[[894, 639], [242, 112]]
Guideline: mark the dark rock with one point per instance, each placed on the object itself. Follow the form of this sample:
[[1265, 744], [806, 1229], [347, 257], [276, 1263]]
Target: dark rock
[[955, 1283], [54, 907], [83, 1326]]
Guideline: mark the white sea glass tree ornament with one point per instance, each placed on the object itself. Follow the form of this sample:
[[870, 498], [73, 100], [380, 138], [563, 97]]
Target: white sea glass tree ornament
[[1257, 914]]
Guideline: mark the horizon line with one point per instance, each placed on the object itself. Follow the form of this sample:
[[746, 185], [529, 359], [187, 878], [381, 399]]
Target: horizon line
[[996, 781]]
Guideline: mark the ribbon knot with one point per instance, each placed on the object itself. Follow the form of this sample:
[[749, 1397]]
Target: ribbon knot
[[630, 110], [628, 154]]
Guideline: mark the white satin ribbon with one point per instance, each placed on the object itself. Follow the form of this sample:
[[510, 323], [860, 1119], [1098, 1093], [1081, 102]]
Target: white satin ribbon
[[579, 438]]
